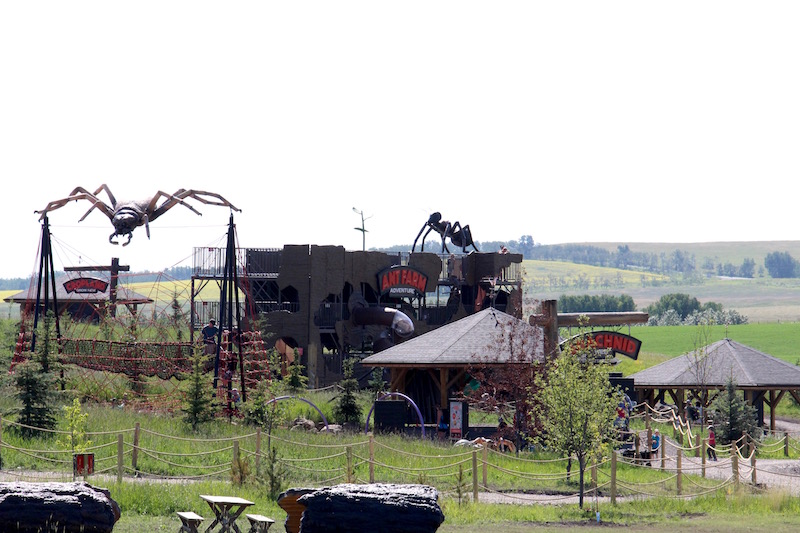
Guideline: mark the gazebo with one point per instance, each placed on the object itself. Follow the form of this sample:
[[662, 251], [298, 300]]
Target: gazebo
[[433, 364], [702, 374]]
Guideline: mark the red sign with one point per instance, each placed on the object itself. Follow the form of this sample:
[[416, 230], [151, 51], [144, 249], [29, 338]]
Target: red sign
[[614, 342], [86, 285], [402, 281]]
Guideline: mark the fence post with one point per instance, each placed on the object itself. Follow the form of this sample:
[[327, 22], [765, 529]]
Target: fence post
[[679, 462], [371, 458], [753, 470], [135, 452], [735, 465], [649, 441], [785, 442], [120, 454], [235, 462], [258, 447], [613, 487], [349, 473], [703, 455], [475, 476], [485, 465]]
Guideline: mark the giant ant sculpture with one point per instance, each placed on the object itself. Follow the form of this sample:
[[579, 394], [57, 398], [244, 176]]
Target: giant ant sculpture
[[129, 215], [458, 235]]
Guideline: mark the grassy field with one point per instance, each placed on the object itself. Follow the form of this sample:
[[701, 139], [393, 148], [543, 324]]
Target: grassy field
[[759, 299]]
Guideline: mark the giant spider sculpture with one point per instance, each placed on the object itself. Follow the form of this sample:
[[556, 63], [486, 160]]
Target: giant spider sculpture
[[460, 236], [129, 215]]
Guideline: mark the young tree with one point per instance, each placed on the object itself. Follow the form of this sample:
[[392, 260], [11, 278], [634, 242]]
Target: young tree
[[347, 410], [35, 393], [577, 405], [197, 392], [733, 416], [295, 380], [507, 389]]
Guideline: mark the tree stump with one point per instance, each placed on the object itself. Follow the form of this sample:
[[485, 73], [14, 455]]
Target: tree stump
[[377, 508], [57, 507]]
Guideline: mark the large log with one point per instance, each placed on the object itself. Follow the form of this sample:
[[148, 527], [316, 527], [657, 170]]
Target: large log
[[58, 507], [377, 508]]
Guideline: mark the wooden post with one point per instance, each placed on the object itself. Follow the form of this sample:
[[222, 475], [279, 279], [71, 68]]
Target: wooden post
[[703, 456], [258, 447], [679, 461], [662, 450], [135, 451], [594, 475], [735, 466], [636, 444], [235, 462], [613, 487], [371, 458], [348, 475], [485, 465], [785, 442], [650, 441], [475, 476], [753, 478], [120, 456]]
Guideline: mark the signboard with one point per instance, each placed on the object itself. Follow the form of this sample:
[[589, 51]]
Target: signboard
[[85, 285], [456, 420], [402, 282], [615, 342]]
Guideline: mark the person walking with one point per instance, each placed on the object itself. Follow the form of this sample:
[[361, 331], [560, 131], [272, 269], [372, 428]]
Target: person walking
[[712, 442]]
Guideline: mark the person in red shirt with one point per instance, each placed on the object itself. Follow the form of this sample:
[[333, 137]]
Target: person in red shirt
[[712, 442]]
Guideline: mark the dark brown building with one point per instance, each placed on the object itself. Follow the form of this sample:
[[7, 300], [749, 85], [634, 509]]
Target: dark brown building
[[325, 303]]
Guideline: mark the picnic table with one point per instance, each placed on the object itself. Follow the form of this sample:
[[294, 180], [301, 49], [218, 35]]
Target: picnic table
[[226, 510]]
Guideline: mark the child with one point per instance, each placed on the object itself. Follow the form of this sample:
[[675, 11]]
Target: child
[[656, 443], [712, 442]]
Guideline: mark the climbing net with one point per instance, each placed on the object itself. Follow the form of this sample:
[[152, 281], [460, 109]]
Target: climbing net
[[131, 337]]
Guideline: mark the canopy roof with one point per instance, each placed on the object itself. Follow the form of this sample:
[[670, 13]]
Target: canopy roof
[[725, 360], [486, 337]]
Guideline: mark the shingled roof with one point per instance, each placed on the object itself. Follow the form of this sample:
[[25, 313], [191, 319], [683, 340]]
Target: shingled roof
[[726, 360], [480, 338]]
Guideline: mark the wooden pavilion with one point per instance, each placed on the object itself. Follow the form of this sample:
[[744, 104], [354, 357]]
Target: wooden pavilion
[[701, 375], [436, 364]]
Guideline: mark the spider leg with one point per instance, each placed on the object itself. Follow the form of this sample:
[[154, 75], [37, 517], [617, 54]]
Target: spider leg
[[179, 196], [171, 201], [78, 194], [109, 210], [198, 195], [418, 235]]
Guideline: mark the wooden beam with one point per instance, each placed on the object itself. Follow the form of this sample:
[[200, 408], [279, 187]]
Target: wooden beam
[[565, 320]]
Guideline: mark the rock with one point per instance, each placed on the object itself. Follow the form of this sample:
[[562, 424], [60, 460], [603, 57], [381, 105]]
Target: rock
[[303, 423], [63, 507], [377, 508]]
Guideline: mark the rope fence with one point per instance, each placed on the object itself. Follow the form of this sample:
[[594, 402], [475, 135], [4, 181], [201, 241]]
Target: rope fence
[[465, 472]]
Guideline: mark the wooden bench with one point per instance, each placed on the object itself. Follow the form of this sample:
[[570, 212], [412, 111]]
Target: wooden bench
[[189, 521], [259, 523]]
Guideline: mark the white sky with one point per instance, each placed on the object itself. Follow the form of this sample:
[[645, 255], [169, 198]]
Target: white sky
[[567, 121]]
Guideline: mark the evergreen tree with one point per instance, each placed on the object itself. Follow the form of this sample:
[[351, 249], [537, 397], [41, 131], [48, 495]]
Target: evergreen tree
[[733, 416], [197, 392], [295, 380], [35, 393], [347, 409]]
